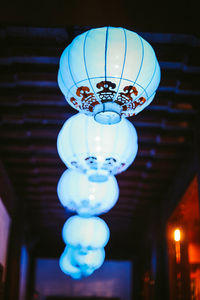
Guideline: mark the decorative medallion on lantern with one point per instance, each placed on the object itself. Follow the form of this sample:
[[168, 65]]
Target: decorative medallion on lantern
[[96, 149], [109, 73], [87, 198]]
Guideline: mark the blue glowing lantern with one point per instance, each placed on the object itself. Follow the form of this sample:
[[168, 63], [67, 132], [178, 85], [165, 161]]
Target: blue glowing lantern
[[70, 267], [67, 265], [109, 73], [78, 194], [96, 149], [85, 233]]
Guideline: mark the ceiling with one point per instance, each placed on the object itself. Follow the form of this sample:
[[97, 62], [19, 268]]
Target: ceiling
[[33, 109]]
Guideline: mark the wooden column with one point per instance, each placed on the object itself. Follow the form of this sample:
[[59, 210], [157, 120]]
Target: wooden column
[[13, 266], [197, 148], [172, 198], [137, 279], [31, 278], [14, 246], [161, 277]]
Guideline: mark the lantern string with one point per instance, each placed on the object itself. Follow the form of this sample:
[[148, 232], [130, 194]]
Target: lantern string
[[125, 50], [70, 71], [60, 76], [86, 69], [145, 89], [106, 50], [141, 61]]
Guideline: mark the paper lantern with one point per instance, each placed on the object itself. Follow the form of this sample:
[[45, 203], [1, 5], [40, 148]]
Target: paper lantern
[[78, 194], [70, 267], [108, 73], [67, 266], [85, 233], [96, 149]]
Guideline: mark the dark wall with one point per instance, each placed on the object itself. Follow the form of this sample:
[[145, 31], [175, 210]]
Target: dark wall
[[112, 280]]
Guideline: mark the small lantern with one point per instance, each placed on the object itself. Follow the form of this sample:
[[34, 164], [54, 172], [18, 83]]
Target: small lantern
[[85, 197], [70, 267], [109, 73], [85, 233], [96, 149], [67, 266]]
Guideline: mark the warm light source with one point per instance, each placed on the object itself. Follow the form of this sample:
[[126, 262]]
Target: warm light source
[[96, 149], [177, 238], [177, 235], [109, 73]]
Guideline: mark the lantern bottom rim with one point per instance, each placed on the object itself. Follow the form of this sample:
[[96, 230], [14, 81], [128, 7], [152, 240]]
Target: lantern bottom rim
[[107, 113], [98, 175]]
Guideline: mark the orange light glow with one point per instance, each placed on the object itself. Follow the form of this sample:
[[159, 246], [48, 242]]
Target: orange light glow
[[177, 235]]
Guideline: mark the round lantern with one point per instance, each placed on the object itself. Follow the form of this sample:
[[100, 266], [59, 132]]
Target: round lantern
[[70, 267], [96, 149], [108, 73], [92, 259], [67, 266], [78, 194], [86, 233]]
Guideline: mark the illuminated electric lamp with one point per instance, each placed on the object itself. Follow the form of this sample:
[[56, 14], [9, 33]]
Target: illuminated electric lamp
[[85, 197], [109, 73], [95, 149], [177, 238], [177, 235], [85, 233]]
